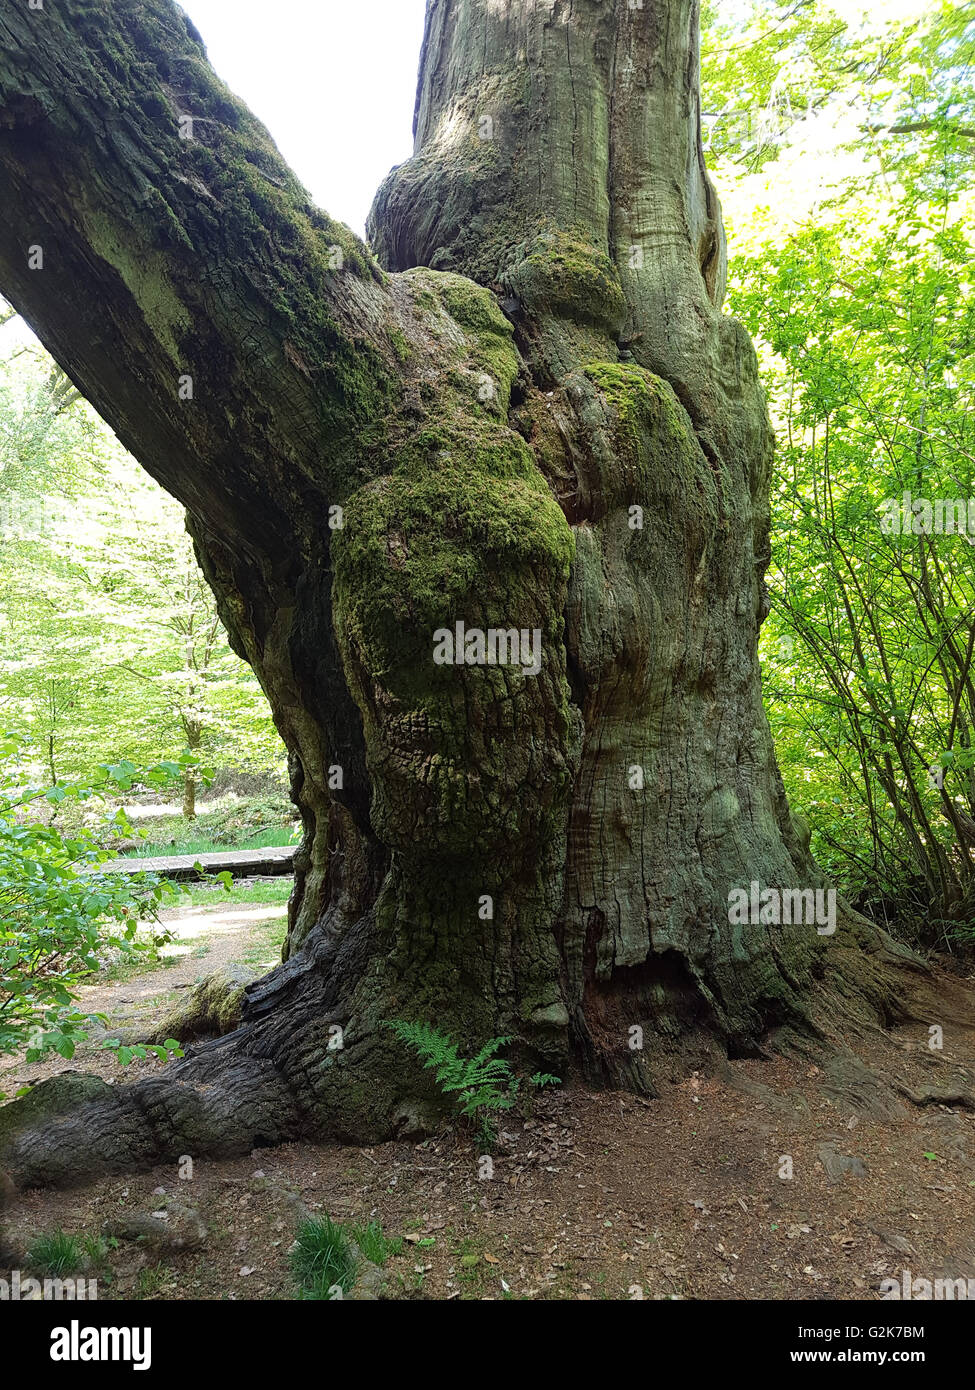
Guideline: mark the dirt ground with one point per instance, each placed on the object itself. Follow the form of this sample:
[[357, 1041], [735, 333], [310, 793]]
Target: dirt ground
[[772, 1180]]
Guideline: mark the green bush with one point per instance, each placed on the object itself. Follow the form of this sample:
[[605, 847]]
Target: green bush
[[58, 910], [242, 818]]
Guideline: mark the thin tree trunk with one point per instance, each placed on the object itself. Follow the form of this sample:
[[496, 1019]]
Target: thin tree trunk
[[539, 421]]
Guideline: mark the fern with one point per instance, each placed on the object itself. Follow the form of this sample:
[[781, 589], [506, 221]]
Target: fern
[[482, 1083]]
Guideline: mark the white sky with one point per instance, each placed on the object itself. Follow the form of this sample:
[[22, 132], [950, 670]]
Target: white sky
[[333, 80]]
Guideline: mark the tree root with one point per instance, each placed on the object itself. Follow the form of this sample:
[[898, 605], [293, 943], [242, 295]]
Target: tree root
[[276, 1079]]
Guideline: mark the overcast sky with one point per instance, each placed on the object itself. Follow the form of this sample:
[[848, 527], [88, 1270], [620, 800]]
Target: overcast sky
[[333, 80]]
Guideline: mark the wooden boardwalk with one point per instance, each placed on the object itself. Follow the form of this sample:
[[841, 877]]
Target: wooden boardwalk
[[242, 863]]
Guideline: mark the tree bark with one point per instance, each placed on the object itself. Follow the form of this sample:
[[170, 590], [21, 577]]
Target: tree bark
[[189, 797], [471, 433]]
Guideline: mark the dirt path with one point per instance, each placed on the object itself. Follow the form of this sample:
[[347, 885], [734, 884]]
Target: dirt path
[[600, 1196], [206, 938]]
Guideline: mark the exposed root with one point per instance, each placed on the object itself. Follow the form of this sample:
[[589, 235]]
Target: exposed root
[[957, 1096], [275, 1079]]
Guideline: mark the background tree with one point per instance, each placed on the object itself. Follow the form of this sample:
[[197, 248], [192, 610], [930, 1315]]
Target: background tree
[[112, 645], [859, 295], [538, 365], [892, 84]]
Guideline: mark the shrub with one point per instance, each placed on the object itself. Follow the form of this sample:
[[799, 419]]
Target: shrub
[[57, 910]]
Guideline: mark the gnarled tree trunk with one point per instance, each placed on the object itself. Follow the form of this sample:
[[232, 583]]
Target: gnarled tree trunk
[[538, 420]]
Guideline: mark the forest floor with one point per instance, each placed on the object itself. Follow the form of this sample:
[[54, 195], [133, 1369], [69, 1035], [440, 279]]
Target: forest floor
[[597, 1195]]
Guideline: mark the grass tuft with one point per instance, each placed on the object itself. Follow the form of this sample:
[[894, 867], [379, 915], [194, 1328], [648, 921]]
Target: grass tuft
[[322, 1259], [375, 1246], [56, 1253]]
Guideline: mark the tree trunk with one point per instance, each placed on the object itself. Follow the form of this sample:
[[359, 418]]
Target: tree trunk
[[194, 737], [189, 796], [540, 421]]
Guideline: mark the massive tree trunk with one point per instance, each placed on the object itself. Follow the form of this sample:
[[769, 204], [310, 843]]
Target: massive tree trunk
[[534, 416]]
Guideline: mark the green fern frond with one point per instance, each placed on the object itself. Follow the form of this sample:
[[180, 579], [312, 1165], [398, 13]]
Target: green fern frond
[[488, 1098], [434, 1049], [492, 1046], [545, 1078], [482, 1083]]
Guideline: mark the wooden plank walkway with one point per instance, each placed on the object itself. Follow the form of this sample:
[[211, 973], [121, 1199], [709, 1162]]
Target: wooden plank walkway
[[242, 863]]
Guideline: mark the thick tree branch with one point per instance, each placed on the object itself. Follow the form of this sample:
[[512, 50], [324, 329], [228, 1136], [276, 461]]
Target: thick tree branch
[[173, 251], [918, 127]]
